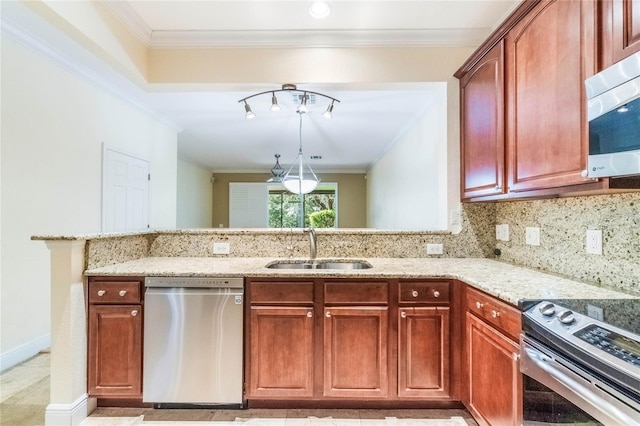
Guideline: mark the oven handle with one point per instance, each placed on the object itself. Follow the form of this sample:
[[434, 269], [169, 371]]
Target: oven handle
[[580, 390]]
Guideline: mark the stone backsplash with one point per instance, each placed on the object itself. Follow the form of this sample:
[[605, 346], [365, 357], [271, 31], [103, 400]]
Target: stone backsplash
[[563, 225], [476, 239]]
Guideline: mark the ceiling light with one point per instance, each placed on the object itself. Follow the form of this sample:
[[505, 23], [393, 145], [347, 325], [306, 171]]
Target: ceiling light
[[248, 113], [274, 103], [319, 9], [302, 108], [329, 112], [300, 179], [277, 172]]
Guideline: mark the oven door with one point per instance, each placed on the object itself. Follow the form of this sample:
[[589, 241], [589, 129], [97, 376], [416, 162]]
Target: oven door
[[577, 397]]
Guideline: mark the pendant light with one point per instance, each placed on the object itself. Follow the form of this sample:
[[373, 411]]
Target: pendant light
[[300, 178]]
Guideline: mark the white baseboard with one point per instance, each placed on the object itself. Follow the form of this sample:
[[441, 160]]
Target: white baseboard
[[69, 414], [24, 352]]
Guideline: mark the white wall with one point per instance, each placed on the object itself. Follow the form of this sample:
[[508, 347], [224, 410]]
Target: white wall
[[195, 196], [407, 187], [53, 127]]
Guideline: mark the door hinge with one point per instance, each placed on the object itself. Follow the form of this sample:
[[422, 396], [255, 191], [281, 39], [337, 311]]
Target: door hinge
[[149, 176]]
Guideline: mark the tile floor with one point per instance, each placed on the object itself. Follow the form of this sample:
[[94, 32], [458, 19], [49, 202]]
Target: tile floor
[[24, 391]]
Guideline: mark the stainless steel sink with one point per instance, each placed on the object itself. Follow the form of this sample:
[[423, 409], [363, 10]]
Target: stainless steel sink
[[332, 264]]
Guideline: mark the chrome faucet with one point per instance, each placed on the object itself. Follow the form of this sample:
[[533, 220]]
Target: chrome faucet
[[313, 247]]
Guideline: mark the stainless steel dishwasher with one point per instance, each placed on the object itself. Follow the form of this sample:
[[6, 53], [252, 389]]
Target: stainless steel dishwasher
[[193, 331]]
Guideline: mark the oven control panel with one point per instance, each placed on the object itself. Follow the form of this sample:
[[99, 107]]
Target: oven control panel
[[622, 347]]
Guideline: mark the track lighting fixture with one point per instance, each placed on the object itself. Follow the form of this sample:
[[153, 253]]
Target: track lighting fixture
[[303, 107]]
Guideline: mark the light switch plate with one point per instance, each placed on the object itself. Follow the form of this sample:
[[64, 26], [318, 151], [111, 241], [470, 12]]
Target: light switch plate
[[532, 236], [221, 248]]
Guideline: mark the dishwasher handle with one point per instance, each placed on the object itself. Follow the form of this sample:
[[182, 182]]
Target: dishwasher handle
[[188, 291]]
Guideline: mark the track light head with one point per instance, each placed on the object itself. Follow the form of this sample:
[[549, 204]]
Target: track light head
[[248, 113], [329, 112], [302, 108], [274, 102]]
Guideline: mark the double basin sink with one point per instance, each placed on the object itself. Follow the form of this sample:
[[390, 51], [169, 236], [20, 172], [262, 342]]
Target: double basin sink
[[320, 264]]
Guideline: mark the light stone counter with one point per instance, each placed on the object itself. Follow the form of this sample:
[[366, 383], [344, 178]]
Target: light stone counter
[[507, 282]]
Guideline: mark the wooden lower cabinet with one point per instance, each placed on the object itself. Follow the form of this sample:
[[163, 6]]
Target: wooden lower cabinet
[[495, 382], [355, 352], [115, 351], [282, 354], [423, 352]]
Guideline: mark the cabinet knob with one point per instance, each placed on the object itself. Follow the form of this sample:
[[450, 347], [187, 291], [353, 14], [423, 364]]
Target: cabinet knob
[[414, 293], [436, 293], [309, 314], [479, 305], [134, 313], [122, 293], [101, 293], [328, 314], [495, 314], [515, 356], [403, 314], [498, 187]]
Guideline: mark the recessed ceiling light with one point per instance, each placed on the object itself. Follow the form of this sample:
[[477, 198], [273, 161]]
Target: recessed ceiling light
[[319, 9]]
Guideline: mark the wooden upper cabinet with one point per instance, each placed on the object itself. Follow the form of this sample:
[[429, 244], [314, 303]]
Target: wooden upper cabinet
[[482, 126], [620, 20], [549, 54]]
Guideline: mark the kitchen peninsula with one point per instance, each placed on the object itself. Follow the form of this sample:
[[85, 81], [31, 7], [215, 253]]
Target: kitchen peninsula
[[77, 259]]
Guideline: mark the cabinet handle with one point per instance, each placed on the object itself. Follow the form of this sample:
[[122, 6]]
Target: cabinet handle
[[309, 314], [134, 313], [403, 314], [414, 293], [479, 305], [515, 356], [436, 293], [495, 314], [101, 293], [328, 314], [122, 293]]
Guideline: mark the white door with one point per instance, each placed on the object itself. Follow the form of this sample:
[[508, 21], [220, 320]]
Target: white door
[[125, 192]]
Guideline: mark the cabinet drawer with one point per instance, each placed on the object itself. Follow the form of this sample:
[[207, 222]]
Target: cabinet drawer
[[424, 292], [114, 291], [356, 292], [497, 313], [281, 293]]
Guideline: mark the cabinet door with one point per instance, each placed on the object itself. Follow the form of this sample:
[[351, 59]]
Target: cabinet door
[[281, 352], [549, 55], [620, 30], [495, 394], [115, 350], [355, 352], [482, 126], [423, 352]]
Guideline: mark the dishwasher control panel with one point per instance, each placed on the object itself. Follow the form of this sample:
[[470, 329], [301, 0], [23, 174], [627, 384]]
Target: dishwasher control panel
[[194, 282]]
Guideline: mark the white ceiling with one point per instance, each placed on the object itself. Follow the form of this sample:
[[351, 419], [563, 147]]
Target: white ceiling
[[366, 121]]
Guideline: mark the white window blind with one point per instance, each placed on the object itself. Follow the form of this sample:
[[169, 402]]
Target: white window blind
[[248, 205]]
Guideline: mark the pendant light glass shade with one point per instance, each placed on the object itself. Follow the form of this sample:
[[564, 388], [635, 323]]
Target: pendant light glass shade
[[300, 179]]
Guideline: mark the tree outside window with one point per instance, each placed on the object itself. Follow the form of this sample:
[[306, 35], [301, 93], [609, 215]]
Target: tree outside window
[[319, 208]]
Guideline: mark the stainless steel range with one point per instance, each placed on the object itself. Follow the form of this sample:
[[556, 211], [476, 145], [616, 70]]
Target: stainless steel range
[[579, 369]]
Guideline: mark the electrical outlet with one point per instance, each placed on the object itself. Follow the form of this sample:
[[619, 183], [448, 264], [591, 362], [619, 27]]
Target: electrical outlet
[[434, 248], [502, 232], [455, 217], [594, 241], [532, 236], [221, 248], [595, 312]]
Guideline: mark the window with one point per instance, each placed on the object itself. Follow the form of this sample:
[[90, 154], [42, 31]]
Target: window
[[319, 207]]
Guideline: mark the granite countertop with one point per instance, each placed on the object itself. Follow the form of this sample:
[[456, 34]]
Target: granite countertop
[[507, 282]]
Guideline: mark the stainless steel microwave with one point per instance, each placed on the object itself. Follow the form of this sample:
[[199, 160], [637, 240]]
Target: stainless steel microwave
[[613, 109]]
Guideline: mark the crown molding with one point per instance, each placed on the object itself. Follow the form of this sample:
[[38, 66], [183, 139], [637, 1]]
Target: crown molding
[[123, 11], [50, 52], [325, 38]]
